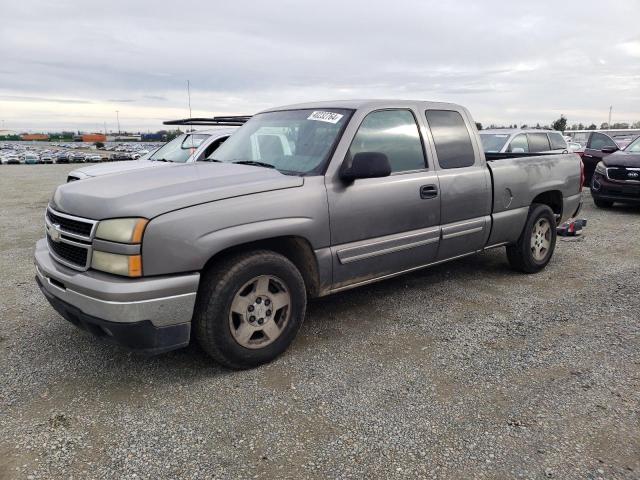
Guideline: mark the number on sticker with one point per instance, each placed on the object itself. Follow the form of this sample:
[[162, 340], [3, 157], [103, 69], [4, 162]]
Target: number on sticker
[[329, 117]]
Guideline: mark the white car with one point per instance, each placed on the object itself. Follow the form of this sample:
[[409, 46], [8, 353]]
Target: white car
[[186, 148], [515, 140]]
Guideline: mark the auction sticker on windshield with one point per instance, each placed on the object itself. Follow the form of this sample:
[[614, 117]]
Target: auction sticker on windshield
[[329, 117]]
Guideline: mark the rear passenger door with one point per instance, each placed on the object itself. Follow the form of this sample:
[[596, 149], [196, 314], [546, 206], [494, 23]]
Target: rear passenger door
[[465, 185]]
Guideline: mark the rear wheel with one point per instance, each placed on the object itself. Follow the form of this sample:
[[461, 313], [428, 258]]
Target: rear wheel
[[536, 244], [602, 203], [249, 309]]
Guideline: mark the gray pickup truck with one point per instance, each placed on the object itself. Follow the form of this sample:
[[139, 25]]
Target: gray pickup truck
[[335, 195]]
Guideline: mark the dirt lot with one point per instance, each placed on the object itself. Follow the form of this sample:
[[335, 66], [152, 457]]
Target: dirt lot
[[467, 370]]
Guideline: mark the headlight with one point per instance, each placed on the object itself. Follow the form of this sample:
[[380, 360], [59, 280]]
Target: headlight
[[127, 265], [122, 230], [601, 169]]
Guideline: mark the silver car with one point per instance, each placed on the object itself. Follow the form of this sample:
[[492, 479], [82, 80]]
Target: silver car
[[190, 147], [516, 140]]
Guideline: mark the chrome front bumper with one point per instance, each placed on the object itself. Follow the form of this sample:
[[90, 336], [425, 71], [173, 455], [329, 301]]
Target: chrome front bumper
[[163, 301]]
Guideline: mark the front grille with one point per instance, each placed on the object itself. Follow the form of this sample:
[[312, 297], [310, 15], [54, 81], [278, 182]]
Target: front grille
[[70, 253], [70, 225], [621, 173]]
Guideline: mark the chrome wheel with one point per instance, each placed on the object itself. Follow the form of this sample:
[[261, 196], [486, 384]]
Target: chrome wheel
[[260, 311], [541, 239]]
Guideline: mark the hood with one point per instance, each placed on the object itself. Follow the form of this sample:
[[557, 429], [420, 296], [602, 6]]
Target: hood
[[117, 167], [151, 192], [622, 159]]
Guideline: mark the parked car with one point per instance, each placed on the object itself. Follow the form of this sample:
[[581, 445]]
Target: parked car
[[46, 158], [575, 147], [62, 157], [229, 250], [186, 148], [76, 157], [617, 177], [12, 159], [92, 157], [515, 140], [30, 158]]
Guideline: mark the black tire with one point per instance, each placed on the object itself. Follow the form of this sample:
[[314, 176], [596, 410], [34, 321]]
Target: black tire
[[219, 286], [602, 203], [520, 255]]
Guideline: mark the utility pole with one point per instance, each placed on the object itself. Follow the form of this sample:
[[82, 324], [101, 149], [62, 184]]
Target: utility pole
[[118, 120], [610, 108], [105, 128]]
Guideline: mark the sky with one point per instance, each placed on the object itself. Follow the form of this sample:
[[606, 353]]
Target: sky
[[72, 64]]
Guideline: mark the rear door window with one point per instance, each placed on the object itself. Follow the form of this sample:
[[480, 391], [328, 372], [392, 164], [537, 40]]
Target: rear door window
[[598, 141], [451, 138], [519, 144], [557, 141], [538, 142]]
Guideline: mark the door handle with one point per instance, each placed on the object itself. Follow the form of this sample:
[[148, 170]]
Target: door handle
[[428, 191]]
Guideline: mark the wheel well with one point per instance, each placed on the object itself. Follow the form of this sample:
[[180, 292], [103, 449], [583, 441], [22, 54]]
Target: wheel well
[[297, 249], [553, 199]]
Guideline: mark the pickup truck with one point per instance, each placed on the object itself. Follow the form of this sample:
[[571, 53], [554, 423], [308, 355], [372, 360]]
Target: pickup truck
[[228, 251]]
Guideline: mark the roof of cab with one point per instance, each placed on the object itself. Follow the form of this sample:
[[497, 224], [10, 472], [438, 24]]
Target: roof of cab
[[365, 103]]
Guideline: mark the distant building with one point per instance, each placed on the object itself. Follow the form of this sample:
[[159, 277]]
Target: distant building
[[34, 136], [93, 137], [125, 137], [154, 137]]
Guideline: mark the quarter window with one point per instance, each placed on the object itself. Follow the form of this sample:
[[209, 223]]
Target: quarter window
[[538, 142], [451, 138], [557, 141], [520, 143], [394, 133]]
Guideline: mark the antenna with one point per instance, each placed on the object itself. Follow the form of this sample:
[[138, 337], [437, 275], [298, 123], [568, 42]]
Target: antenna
[[189, 97]]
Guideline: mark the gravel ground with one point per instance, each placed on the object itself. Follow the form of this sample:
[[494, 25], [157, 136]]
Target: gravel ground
[[467, 370]]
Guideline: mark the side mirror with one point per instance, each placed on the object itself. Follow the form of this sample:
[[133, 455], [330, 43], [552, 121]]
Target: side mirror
[[609, 149], [517, 150], [367, 165]]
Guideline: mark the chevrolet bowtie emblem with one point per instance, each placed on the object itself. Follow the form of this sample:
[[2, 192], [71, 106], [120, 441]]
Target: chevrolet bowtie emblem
[[54, 232]]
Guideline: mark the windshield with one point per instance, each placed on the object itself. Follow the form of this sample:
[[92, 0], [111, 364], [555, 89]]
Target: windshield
[[493, 142], [292, 141], [180, 148], [634, 146]]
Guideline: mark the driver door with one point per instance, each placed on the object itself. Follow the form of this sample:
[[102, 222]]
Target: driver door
[[381, 226]]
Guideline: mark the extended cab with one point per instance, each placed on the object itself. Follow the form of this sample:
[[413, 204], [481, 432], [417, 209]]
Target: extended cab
[[334, 195]]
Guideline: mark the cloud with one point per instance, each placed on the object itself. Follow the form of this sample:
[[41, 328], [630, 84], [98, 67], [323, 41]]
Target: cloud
[[506, 61]]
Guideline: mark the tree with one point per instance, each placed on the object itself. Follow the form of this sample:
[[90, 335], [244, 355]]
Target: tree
[[604, 126], [635, 125], [580, 126], [560, 124], [591, 127], [478, 125], [620, 125], [524, 126]]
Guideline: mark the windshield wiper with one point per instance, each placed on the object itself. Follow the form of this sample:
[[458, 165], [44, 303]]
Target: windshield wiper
[[160, 160], [255, 163], [210, 160]]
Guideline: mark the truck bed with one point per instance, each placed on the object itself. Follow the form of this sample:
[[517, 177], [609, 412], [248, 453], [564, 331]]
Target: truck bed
[[519, 178]]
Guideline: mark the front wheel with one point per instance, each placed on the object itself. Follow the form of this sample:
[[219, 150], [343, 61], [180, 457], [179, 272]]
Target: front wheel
[[249, 309], [536, 244]]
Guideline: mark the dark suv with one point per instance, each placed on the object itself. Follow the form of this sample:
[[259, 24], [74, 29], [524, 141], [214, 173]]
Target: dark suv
[[617, 177]]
